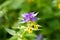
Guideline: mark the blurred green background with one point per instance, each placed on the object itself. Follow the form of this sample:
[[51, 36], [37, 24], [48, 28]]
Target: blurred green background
[[49, 14]]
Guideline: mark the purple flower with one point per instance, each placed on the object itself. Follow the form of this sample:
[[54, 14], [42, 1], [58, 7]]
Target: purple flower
[[29, 17], [39, 37]]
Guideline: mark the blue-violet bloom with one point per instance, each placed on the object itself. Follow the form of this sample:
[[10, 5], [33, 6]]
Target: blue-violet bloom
[[29, 17], [39, 37]]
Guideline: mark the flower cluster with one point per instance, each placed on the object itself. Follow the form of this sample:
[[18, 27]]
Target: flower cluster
[[29, 25], [30, 19]]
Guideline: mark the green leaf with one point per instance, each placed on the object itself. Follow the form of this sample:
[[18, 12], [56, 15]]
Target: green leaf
[[12, 32], [13, 38]]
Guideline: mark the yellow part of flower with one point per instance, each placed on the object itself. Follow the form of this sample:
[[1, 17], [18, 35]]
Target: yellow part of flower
[[32, 23], [30, 30], [58, 5], [30, 1], [36, 27]]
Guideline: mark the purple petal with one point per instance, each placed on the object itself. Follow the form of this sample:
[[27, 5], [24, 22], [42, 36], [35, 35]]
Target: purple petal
[[31, 14], [24, 15], [25, 19], [33, 19], [39, 37]]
